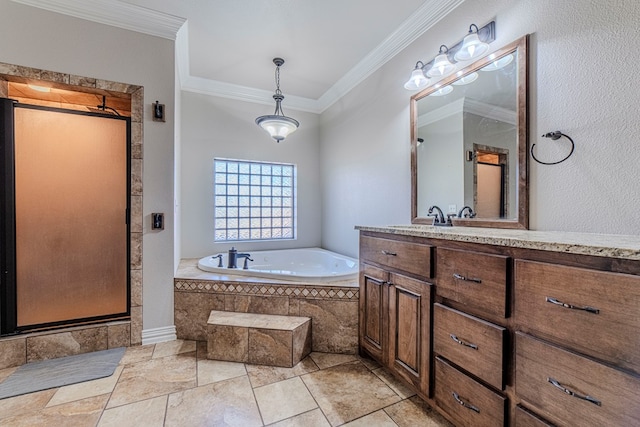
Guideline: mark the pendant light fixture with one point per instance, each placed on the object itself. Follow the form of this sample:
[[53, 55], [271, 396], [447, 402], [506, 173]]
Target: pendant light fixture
[[472, 47], [277, 124]]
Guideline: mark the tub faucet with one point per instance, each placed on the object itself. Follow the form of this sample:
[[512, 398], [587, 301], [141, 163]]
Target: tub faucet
[[438, 215], [233, 258], [470, 214], [247, 258]]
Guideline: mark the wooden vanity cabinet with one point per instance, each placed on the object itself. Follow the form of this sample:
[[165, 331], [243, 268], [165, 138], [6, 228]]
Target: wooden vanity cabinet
[[395, 308], [521, 336]]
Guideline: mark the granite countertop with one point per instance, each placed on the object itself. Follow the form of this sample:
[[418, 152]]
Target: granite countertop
[[606, 245]]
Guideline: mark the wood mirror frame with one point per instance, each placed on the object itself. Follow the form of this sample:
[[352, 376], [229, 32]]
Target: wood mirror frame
[[522, 131]]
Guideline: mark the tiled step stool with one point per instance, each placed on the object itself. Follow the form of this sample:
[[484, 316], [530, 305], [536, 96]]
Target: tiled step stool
[[260, 339]]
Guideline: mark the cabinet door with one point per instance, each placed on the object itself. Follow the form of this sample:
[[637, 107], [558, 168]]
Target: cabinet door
[[409, 329], [373, 307]]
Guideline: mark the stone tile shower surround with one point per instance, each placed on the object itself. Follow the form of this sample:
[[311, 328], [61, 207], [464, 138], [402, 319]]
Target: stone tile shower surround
[[17, 350], [333, 307]]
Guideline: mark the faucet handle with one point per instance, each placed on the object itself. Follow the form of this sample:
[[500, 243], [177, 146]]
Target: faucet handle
[[246, 262], [219, 256]]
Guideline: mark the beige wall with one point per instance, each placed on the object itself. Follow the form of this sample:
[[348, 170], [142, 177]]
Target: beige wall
[[36, 38], [581, 83], [219, 127]]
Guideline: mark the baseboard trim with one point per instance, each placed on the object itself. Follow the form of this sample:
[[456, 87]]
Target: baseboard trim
[[156, 335]]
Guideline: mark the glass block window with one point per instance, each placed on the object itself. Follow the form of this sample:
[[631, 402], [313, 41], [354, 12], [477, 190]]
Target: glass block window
[[254, 200]]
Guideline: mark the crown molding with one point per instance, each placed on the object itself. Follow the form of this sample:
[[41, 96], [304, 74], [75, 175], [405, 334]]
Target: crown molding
[[115, 13], [490, 111], [413, 27], [135, 18], [247, 94], [468, 105]]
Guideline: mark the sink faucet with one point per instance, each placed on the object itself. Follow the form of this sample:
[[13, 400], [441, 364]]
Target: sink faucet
[[247, 258], [470, 214], [438, 215]]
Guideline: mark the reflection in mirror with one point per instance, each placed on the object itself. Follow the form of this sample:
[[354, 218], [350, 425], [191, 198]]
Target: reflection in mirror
[[469, 143]]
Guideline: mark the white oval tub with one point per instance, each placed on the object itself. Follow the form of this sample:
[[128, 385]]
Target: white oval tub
[[308, 264]]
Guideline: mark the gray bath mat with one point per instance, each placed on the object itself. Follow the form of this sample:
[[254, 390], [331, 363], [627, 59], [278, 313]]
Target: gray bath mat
[[53, 373]]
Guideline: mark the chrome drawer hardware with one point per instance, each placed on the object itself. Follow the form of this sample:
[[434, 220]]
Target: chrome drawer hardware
[[384, 252], [556, 384], [466, 279], [463, 403], [466, 344], [571, 306]]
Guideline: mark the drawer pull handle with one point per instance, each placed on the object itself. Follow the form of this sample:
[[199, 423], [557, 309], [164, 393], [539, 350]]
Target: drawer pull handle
[[463, 403], [384, 252], [466, 279], [556, 384], [571, 306], [466, 344]]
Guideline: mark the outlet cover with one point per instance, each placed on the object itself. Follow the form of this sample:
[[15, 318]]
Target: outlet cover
[[453, 209]]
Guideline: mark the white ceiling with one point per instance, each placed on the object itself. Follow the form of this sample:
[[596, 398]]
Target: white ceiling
[[226, 47]]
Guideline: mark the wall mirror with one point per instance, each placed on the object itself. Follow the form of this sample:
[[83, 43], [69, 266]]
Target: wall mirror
[[469, 139]]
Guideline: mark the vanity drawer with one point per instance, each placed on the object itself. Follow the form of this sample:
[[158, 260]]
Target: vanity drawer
[[472, 278], [526, 418], [468, 402], [406, 256], [546, 377], [471, 343], [596, 313]]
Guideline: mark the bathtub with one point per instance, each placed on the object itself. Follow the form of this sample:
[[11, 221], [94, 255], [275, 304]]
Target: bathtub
[[308, 264]]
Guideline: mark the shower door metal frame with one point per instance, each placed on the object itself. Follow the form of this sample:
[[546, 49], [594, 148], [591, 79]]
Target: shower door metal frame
[[8, 261]]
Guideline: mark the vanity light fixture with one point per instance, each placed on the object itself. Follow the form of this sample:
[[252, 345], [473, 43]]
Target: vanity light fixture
[[441, 65], [442, 91], [469, 78], [417, 80], [277, 124], [498, 63], [39, 88], [472, 47]]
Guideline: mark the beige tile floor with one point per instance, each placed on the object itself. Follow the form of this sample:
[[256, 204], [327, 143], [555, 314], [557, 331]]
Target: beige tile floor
[[173, 384]]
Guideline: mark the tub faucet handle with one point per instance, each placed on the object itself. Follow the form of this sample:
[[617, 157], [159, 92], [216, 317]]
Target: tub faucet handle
[[246, 263], [219, 256]]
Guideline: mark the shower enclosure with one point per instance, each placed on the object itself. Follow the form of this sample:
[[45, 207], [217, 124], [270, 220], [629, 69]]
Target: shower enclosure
[[64, 223]]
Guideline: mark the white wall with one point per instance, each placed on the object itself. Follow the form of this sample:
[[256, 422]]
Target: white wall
[[36, 38], [492, 133], [219, 127], [441, 164], [581, 82]]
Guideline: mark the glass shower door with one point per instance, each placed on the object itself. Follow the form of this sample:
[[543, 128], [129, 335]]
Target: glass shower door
[[71, 216]]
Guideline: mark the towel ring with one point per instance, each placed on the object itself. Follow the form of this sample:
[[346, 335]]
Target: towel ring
[[554, 136]]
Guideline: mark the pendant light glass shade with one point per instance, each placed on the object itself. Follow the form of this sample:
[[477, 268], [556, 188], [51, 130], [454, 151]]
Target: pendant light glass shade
[[277, 124], [441, 65], [471, 47], [417, 80]]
